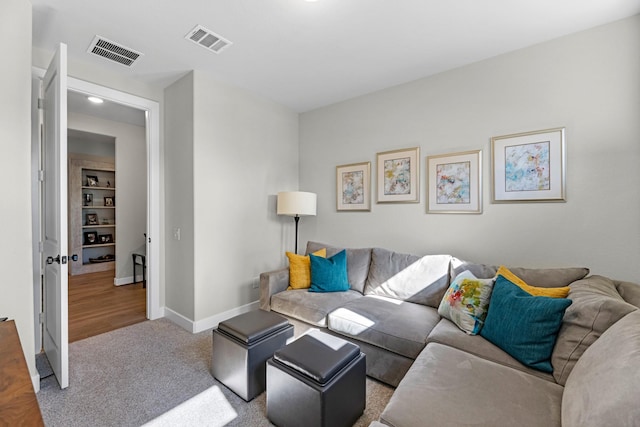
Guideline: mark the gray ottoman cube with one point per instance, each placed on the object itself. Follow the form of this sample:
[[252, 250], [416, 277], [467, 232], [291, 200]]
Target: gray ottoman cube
[[317, 380], [241, 347]]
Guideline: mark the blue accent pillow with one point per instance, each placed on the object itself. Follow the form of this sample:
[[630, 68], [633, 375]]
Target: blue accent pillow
[[329, 274], [523, 325]]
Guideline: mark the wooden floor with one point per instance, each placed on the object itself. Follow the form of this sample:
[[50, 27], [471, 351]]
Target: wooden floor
[[97, 306]]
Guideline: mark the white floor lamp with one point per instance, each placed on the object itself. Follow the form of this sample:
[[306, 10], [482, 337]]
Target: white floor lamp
[[296, 204]]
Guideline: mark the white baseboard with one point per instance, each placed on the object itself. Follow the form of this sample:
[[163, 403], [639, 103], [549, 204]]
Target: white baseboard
[[126, 280], [209, 322], [35, 380]]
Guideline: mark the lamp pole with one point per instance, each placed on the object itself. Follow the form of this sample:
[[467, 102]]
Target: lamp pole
[[296, 218]]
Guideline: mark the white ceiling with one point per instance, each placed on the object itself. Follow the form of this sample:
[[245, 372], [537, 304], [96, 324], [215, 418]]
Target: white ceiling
[[309, 54]]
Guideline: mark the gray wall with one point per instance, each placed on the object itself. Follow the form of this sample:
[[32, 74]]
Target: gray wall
[[587, 82], [178, 125], [228, 152], [131, 185], [16, 286]]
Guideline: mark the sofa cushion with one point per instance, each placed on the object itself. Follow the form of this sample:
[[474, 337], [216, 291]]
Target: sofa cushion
[[300, 269], [397, 326], [310, 307], [449, 334], [422, 280], [538, 291], [630, 292], [466, 302], [541, 277], [523, 325], [329, 274], [596, 306], [604, 386], [358, 261], [449, 387]]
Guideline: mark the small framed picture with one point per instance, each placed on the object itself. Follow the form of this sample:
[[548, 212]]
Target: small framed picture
[[529, 167], [454, 183], [92, 181], [88, 199], [398, 176], [90, 237], [92, 219], [353, 187], [109, 201], [106, 238]]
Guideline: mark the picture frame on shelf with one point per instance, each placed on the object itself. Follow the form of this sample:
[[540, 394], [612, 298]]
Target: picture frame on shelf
[[87, 199], [529, 167], [353, 187], [398, 176], [90, 237], [109, 201], [92, 219], [92, 181], [106, 238], [454, 183]]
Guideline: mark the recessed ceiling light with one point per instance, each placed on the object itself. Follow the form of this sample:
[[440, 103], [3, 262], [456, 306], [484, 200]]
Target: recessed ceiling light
[[95, 100]]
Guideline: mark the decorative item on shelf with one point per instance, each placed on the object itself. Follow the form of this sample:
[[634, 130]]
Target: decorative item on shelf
[[92, 181], [90, 237], [88, 199], [109, 201], [106, 238], [529, 167], [296, 204], [398, 176], [103, 258], [92, 219], [108, 184], [454, 183], [353, 187], [105, 221]]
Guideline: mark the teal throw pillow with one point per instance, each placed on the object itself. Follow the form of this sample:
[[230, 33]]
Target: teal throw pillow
[[329, 274], [523, 325]]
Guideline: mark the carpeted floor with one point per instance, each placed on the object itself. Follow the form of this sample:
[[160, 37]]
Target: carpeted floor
[[156, 373]]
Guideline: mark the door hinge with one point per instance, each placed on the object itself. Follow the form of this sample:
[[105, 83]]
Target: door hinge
[[41, 317], [40, 104], [41, 175], [41, 247]]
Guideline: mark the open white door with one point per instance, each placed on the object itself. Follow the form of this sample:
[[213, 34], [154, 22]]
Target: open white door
[[56, 326]]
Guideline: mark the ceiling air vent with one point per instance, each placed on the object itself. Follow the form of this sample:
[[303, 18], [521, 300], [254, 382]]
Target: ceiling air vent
[[113, 51], [207, 39]]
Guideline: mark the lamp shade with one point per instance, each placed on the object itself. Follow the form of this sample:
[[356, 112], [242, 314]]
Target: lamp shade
[[298, 203]]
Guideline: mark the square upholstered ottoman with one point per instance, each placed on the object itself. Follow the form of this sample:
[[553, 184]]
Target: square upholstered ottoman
[[242, 345], [317, 380]]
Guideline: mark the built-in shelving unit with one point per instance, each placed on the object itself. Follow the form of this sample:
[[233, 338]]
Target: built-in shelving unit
[[92, 210]]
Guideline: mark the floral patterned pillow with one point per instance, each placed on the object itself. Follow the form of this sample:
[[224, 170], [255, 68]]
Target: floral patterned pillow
[[466, 302]]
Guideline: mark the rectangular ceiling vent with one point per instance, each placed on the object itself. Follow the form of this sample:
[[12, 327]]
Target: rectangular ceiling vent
[[207, 39], [113, 51]]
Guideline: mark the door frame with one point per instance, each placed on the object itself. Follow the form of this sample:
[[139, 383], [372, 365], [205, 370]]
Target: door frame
[[152, 131]]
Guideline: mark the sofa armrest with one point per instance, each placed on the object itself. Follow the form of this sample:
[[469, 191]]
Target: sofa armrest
[[271, 283]]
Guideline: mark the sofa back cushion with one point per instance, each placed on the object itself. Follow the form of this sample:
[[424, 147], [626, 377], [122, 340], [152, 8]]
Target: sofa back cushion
[[596, 306], [358, 261], [604, 386], [539, 277], [412, 278], [630, 292]]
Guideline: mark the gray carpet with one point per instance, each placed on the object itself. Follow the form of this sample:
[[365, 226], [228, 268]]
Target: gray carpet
[[156, 373]]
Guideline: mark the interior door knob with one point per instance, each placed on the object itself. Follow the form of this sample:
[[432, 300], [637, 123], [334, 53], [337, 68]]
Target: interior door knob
[[50, 260]]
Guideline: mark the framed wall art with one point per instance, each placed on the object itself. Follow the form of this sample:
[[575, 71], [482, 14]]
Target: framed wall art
[[454, 183], [353, 187], [529, 167], [398, 176]]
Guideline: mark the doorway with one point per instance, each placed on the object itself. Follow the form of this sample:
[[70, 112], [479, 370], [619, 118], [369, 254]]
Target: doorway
[[107, 218]]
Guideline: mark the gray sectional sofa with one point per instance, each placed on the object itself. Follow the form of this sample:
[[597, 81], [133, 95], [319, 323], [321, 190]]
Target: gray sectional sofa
[[445, 376]]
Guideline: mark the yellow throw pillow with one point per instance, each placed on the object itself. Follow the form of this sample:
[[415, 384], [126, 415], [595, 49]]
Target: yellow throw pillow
[[533, 290], [300, 269]]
